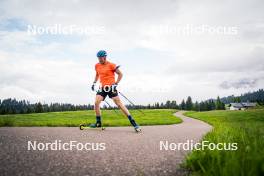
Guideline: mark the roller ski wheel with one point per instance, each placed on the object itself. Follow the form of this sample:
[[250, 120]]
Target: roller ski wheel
[[82, 127]]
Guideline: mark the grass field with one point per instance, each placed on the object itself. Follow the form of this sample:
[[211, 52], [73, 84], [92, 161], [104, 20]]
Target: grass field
[[75, 118], [243, 127]]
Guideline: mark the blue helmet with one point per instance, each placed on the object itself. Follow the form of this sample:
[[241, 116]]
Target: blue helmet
[[101, 53]]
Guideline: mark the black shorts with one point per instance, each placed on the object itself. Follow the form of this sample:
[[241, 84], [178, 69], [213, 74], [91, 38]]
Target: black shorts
[[107, 91]]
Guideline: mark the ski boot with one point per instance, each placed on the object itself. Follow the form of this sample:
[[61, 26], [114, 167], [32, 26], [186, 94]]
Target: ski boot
[[95, 125], [137, 129]]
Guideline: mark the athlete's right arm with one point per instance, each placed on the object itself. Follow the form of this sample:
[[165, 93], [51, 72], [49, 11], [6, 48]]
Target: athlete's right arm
[[95, 80], [96, 77]]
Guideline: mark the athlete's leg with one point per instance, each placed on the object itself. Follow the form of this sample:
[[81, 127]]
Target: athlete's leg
[[98, 100], [119, 103]]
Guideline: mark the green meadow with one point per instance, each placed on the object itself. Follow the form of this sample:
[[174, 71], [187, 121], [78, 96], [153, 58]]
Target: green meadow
[[75, 118], [246, 128]]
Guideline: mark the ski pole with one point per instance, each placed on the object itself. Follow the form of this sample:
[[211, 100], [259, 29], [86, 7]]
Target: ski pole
[[111, 107], [130, 102]]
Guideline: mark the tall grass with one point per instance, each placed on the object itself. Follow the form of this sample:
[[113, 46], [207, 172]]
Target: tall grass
[[246, 128]]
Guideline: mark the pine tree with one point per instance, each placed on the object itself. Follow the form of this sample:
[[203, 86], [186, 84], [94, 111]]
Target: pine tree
[[39, 108], [174, 104], [189, 104], [196, 106], [219, 105], [168, 104], [183, 105]]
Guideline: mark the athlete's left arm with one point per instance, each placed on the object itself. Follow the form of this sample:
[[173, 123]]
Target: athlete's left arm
[[119, 75]]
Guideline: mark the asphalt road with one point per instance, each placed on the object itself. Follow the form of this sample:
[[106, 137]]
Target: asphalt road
[[126, 152]]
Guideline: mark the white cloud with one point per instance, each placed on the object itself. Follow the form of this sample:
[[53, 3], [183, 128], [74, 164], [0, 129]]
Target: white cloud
[[43, 79], [52, 69]]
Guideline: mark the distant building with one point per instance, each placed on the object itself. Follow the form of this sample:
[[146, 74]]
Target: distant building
[[242, 106]]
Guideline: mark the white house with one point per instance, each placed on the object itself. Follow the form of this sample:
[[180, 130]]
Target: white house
[[242, 106]]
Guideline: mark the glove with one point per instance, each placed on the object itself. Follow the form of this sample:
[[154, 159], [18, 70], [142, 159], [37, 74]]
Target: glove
[[93, 86]]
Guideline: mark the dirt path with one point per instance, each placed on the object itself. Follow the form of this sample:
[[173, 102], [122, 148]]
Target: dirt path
[[126, 153]]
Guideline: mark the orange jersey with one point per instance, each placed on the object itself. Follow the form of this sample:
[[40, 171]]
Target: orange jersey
[[106, 73]]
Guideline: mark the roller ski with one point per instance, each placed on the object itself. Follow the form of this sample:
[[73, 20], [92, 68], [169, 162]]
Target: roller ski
[[92, 126]]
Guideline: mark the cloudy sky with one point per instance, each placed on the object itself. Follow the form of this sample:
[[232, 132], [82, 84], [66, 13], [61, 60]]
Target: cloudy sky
[[167, 49]]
